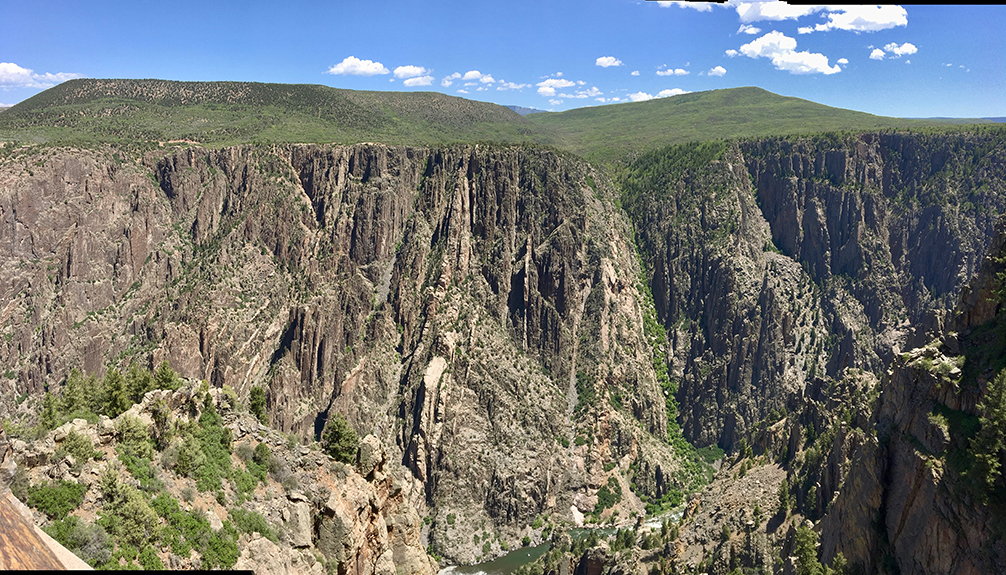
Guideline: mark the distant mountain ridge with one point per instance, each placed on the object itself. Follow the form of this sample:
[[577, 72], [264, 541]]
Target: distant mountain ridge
[[146, 112]]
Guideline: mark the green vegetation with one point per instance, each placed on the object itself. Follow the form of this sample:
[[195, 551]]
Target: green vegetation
[[89, 542], [607, 496], [257, 404], [339, 440], [56, 498], [143, 112], [620, 133], [989, 445], [251, 522]]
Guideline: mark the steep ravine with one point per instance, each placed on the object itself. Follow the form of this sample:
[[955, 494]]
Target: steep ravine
[[772, 261]]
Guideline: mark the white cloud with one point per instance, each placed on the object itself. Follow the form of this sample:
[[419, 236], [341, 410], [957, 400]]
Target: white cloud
[[842, 61], [410, 71], [717, 71], [851, 18], [759, 11], [420, 81], [608, 61], [748, 29], [643, 96], [671, 92], [864, 18], [700, 6], [548, 87], [616, 99], [503, 85], [14, 76], [448, 80], [555, 102], [781, 49], [634, 73], [672, 72], [476, 75], [462, 91], [354, 66], [732, 53], [899, 51], [877, 54]]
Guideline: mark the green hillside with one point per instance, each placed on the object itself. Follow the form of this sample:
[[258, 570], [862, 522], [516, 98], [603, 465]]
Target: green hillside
[[144, 112], [221, 113], [621, 132]]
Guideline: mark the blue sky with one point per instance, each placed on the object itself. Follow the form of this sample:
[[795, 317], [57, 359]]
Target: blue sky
[[907, 61]]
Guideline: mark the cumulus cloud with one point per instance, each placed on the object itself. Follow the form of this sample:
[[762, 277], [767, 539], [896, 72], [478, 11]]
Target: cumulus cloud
[[781, 50], [14, 76], [589, 93], [717, 71], [353, 66], [410, 71], [419, 81], [864, 18], [462, 91], [448, 80], [548, 87], [775, 11], [671, 92], [471, 75], [643, 96], [850, 18], [673, 72], [555, 102], [503, 85], [898, 51], [608, 61], [732, 53], [745, 29], [634, 73], [842, 61], [700, 6], [877, 54]]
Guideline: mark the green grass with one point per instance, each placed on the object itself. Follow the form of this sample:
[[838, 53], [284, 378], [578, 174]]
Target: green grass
[[224, 113], [619, 133], [141, 113]]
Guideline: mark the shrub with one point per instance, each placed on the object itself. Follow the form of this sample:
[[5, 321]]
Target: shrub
[[163, 429], [149, 560], [257, 404], [340, 440], [251, 522], [221, 549], [138, 382], [89, 542], [134, 439], [56, 498]]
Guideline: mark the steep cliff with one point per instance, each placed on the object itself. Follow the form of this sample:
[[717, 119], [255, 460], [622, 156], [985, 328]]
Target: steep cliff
[[475, 307], [774, 261]]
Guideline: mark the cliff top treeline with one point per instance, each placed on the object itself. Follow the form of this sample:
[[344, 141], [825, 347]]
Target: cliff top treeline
[[221, 113]]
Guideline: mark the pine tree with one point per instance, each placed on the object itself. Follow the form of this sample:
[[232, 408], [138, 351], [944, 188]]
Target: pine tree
[[988, 445], [340, 440], [116, 395]]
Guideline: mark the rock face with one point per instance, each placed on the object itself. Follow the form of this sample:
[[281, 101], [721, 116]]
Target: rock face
[[913, 478], [445, 300], [790, 258], [482, 310]]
